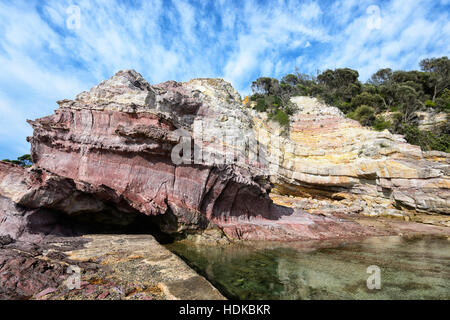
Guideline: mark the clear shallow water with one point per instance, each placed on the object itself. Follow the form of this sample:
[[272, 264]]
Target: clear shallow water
[[411, 268]]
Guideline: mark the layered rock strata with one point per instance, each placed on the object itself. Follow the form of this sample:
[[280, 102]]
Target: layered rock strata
[[194, 157], [328, 156], [43, 218], [120, 135]]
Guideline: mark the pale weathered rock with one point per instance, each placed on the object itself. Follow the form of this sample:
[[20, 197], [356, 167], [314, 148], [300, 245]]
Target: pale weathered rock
[[426, 120], [327, 155], [140, 259]]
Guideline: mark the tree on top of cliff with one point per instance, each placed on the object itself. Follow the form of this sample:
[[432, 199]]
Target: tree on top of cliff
[[266, 86], [439, 70], [23, 161], [273, 98], [339, 85]]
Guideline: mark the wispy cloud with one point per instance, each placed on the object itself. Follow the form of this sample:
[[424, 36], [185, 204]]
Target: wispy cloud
[[408, 31], [43, 60]]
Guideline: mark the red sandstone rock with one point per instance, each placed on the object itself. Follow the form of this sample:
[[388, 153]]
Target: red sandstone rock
[[114, 137]]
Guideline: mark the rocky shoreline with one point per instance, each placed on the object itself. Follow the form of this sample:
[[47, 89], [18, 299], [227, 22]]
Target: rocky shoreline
[[189, 160], [137, 267], [111, 267]]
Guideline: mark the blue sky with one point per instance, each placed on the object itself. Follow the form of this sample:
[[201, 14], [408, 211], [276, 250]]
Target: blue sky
[[51, 50]]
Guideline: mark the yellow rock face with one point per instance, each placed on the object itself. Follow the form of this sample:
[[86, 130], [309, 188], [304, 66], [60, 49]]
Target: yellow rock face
[[325, 154]]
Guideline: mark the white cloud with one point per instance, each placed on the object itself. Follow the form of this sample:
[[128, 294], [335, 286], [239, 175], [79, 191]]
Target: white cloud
[[408, 29], [269, 32], [309, 11], [42, 61]]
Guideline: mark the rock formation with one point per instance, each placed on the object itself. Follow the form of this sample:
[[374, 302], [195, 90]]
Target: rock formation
[[120, 136], [329, 156], [192, 157]]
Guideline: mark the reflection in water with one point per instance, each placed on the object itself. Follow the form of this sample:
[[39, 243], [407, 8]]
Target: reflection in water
[[411, 268]]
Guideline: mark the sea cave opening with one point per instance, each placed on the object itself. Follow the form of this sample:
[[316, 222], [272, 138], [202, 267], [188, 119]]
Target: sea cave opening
[[108, 221]]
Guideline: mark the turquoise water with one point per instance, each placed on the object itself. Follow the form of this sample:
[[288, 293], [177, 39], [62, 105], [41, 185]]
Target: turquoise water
[[410, 268]]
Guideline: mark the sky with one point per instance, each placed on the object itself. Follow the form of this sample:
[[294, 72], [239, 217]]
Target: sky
[[53, 50]]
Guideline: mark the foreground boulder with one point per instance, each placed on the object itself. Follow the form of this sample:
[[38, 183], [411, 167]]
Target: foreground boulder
[[42, 219], [121, 135]]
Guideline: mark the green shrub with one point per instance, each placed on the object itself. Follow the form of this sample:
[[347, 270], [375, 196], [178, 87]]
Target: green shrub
[[273, 101], [12, 161], [282, 118], [23, 161], [443, 101], [372, 100], [289, 109], [427, 140], [261, 105], [364, 114], [430, 104], [256, 96], [302, 89], [394, 108], [345, 107], [381, 123]]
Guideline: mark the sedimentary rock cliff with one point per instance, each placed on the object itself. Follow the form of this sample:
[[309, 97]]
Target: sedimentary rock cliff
[[122, 133], [329, 156], [193, 157]]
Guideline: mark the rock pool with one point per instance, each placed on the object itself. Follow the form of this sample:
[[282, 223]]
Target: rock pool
[[410, 268]]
